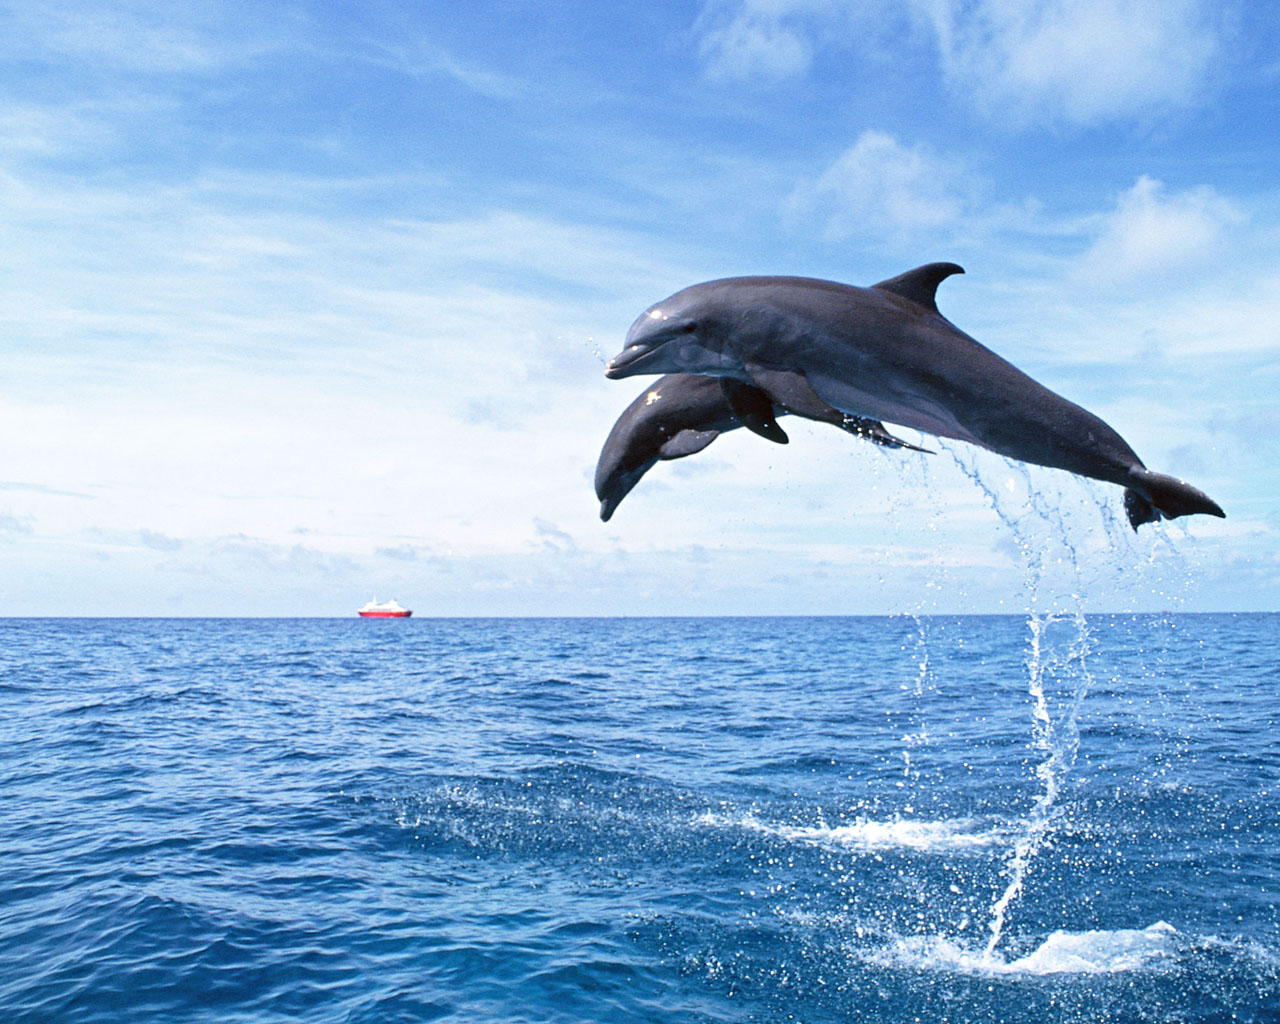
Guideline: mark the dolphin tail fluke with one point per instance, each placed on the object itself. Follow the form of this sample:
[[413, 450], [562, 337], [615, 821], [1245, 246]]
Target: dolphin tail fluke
[[1154, 496]]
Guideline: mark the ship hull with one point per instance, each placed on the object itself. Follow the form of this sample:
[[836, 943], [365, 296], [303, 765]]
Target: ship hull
[[384, 615]]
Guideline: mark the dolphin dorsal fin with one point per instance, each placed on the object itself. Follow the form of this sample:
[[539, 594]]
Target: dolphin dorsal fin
[[921, 285]]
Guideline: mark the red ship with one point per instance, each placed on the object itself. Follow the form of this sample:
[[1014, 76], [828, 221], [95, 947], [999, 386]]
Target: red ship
[[387, 610]]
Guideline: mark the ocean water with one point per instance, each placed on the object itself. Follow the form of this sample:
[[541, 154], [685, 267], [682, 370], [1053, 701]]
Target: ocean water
[[1000, 819]]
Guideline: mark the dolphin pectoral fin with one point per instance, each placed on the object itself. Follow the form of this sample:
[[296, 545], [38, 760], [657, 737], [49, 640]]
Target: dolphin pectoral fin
[[794, 393], [686, 442], [753, 408], [874, 431], [1153, 496], [921, 285]]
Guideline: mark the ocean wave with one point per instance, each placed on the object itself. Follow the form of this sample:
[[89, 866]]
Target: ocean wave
[[1090, 952]]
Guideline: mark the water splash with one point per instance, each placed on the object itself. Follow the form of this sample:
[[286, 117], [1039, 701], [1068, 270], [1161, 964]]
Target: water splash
[[1055, 665], [1089, 952], [870, 835], [1057, 738], [594, 346]]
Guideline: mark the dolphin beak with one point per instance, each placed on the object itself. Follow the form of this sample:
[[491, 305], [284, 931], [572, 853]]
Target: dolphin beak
[[622, 365]]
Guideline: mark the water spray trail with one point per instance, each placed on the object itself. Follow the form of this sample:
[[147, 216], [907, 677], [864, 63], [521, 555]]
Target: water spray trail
[[920, 737], [1058, 739], [916, 734]]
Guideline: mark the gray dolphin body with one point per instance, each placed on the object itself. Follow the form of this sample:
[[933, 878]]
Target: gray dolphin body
[[885, 352], [683, 413]]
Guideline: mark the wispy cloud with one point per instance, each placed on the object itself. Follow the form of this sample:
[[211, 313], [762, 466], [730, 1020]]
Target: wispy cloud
[[158, 541], [1152, 232], [769, 39], [303, 316], [225, 366], [880, 188], [42, 131], [178, 37], [552, 537], [420, 58], [400, 553], [239, 553], [1083, 62], [12, 485], [14, 524]]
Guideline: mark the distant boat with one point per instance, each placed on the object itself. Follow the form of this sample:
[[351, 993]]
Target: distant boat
[[386, 610]]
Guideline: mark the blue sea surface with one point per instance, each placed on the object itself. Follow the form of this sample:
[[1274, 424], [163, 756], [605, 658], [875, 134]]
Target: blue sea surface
[[1000, 819]]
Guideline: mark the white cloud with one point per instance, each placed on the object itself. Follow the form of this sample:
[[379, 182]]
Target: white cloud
[[220, 360], [1079, 61], [1085, 61], [880, 187], [231, 363], [260, 350], [14, 524], [1232, 320], [769, 39], [1151, 232], [159, 541]]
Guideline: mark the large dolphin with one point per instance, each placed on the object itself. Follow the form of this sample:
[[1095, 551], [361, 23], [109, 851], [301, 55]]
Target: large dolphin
[[885, 352], [683, 413]]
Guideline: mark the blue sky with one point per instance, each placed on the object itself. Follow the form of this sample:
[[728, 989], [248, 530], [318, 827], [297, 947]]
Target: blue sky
[[307, 302]]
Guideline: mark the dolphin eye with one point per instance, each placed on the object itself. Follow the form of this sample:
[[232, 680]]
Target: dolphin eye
[[689, 328]]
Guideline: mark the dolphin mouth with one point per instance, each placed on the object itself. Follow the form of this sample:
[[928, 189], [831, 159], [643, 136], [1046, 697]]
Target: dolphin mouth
[[624, 363]]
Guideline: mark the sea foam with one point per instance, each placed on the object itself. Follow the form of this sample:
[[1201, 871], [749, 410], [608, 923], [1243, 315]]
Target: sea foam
[[1090, 952], [869, 835]]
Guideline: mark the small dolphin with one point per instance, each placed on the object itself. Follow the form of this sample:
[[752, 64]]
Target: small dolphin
[[683, 413], [886, 352]]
